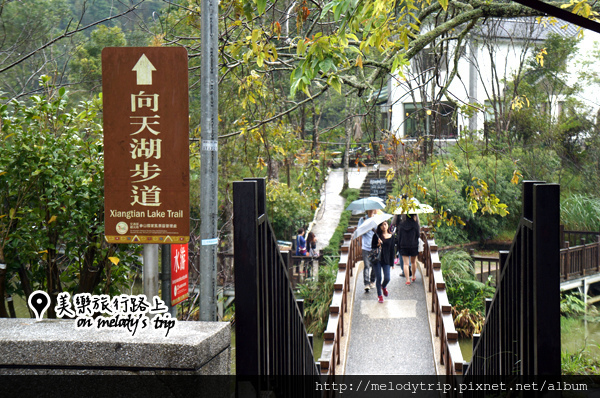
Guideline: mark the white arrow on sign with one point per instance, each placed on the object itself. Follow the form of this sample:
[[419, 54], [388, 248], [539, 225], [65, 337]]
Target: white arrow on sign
[[144, 69]]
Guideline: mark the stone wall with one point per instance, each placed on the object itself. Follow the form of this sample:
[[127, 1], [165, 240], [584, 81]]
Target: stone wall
[[56, 347]]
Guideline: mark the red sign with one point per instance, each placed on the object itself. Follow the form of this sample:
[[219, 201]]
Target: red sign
[[179, 273], [146, 144]]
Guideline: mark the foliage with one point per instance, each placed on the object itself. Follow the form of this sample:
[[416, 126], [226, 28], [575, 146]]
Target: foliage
[[579, 363], [571, 305], [553, 136], [580, 212], [578, 355], [467, 207], [467, 323], [333, 248], [86, 66], [51, 214], [26, 25], [288, 209], [317, 296], [464, 291]]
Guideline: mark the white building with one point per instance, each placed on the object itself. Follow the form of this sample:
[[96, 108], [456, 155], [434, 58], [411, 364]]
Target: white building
[[489, 57]]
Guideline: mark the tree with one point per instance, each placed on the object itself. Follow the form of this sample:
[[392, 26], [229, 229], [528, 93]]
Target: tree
[[39, 37], [348, 46], [86, 65], [51, 203]]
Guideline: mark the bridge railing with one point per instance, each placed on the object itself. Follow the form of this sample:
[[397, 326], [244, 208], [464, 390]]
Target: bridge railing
[[271, 338], [575, 261], [521, 334], [488, 265], [451, 356], [577, 237], [338, 308], [580, 260]]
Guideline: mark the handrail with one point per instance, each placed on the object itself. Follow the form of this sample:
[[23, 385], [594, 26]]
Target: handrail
[[331, 353], [451, 356], [580, 260], [577, 237], [271, 337], [493, 266], [511, 343], [522, 324]]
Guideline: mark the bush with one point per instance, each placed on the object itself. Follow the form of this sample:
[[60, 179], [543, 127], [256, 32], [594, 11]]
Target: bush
[[571, 305], [288, 209], [448, 195], [464, 291], [317, 296], [333, 249]]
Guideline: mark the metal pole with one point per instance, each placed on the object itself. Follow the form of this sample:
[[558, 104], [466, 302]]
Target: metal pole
[[166, 278], [473, 83], [150, 272], [209, 158]]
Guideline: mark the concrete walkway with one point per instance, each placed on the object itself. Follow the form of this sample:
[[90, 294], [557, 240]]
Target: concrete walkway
[[332, 204], [381, 339], [392, 338]]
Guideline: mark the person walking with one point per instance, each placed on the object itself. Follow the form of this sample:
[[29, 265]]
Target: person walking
[[385, 240], [408, 244], [301, 243], [368, 272], [396, 221], [311, 245]]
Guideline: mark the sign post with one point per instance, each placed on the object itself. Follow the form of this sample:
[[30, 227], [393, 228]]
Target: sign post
[[146, 148]]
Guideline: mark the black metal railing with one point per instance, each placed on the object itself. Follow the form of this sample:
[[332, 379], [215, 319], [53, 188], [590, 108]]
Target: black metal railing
[[521, 335], [271, 339]]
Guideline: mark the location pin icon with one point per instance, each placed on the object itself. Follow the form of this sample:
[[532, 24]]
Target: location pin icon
[[39, 301]]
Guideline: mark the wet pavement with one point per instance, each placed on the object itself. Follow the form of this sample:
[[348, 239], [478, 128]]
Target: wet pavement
[[389, 338], [332, 204], [392, 337]]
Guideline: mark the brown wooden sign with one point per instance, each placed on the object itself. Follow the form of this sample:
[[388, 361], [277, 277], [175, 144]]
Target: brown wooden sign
[[146, 149]]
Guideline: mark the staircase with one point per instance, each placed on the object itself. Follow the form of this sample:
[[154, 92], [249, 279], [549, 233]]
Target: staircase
[[365, 191]]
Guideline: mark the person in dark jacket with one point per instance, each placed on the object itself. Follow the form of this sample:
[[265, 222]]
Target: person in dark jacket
[[408, 243], [384, 239]]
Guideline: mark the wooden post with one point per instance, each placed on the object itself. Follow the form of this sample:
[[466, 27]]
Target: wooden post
[[567, 261], [598, 254]]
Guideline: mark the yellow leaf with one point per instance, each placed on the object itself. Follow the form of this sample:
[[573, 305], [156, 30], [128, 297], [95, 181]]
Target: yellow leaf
[[52, 219], [359, 61], [114, 260], [389, 174], [43, 251]]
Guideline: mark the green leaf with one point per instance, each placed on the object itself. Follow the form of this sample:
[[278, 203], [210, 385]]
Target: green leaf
[[262, 4], [326, 65], [326, 9], [334, 82]]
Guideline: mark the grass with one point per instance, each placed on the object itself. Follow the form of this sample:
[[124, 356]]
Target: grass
[[580, 212], [579, 354], [333, 249]]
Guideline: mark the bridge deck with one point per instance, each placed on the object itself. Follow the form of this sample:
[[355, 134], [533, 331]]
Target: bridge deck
[[393, 337]]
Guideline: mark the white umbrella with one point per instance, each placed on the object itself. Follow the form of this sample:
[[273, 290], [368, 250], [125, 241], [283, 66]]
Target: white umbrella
[[412, 206], [364, 204], [371, 223]]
